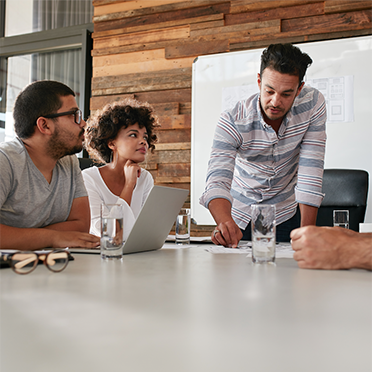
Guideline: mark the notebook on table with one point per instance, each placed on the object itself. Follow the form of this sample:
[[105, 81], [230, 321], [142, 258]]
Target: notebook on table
[[153, 223]]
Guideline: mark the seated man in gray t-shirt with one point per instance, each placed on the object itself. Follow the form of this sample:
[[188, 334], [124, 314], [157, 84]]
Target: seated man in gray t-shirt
[[43, 201]]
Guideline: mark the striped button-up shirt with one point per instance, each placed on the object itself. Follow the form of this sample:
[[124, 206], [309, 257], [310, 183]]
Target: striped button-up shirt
[[251, 164]]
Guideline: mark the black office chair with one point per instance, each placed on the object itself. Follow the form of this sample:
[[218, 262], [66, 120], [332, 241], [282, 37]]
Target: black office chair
[[344, 189], [85, 163]]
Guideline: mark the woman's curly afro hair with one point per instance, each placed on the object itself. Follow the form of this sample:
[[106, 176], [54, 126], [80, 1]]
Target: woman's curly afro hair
[[104, 125]]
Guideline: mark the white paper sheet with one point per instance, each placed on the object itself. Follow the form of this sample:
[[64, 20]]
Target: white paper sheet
[[282, 250]]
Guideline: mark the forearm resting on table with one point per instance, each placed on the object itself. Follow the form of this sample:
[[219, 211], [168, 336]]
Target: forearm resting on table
[[81, 225], [308, 214], [25, 239], [39, 238]]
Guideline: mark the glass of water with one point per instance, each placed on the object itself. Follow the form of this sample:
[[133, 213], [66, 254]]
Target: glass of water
[[263, 233], [341, 218], [112, 242], [183, 223]]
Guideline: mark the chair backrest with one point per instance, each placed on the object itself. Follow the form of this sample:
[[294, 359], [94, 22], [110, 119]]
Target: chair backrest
[[85, 163], [344, 189]]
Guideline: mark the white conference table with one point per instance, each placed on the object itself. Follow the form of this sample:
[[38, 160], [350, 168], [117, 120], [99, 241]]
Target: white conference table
[[176, 310]]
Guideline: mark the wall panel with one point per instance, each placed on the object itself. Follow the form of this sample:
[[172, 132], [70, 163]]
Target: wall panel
[[145, 49]]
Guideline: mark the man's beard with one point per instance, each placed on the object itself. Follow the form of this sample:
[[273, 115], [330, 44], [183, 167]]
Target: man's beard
[[58, 144]]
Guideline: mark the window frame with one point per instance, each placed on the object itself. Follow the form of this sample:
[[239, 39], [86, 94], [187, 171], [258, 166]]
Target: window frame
[[59, 39]]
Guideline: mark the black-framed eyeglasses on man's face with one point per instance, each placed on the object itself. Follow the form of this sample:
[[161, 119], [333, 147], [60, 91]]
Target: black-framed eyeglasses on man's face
[[26, 262], [77, 115]]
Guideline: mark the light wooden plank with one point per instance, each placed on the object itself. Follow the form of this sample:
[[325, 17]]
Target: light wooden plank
[[149, 166], [130, 79], [143, 37], [169, 157], [134, 47], [120, 6], [146, 66], [161, 109], [173, 146], [241, 6], [123, 58], [252, 28], [172, 180], [209, 24], [243, 35], [197, 48], [145, 86]]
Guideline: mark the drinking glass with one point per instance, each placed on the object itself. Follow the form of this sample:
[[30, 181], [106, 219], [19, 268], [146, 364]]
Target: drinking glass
[[263, 233], [112, 216], [183, 223], [341, 218]]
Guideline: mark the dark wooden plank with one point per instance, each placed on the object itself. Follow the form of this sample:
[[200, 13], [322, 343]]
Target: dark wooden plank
[[107, 2], [171, 122], [173, 136], [296, 37], [332, 6], [178, 95], [153, 15], [172, 79], [156, 9], [262, 41], [196, 49], [99, 102], [174, 170], [185, 108], [202, 20], [278, 13], [329, 22]]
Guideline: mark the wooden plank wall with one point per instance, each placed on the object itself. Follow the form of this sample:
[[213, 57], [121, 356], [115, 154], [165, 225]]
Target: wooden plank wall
[[145, 49]]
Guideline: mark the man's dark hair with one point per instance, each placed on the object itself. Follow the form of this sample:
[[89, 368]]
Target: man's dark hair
[[105, 124], [286, 59], [37, 99]]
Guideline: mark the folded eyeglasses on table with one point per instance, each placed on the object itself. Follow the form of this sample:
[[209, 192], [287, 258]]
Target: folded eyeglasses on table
[[24, 262]]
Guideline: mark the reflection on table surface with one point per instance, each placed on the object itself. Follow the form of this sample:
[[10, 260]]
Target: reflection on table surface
[[186, 310]]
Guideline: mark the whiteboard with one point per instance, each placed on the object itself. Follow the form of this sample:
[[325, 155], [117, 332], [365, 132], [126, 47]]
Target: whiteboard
[[349, 144]]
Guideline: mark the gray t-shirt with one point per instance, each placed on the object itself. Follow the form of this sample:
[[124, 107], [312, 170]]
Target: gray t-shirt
[[26, 198]]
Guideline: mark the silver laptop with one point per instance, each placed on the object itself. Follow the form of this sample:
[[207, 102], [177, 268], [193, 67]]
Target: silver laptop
[[153, 223]]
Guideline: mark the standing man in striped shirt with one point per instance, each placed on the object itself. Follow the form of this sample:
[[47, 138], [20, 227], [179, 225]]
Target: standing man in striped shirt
[[269, 149]]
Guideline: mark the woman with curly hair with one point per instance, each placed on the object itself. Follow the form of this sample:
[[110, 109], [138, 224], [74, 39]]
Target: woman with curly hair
[[119, 137]]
